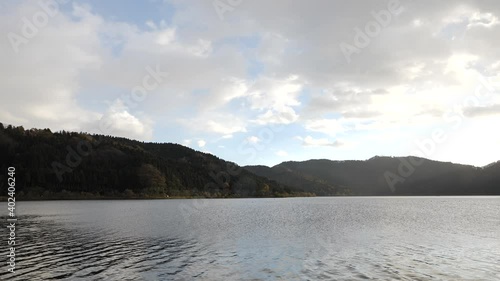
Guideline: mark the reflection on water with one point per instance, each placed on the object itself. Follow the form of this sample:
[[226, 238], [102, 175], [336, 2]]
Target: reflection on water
[[49, 250], [259, 239]]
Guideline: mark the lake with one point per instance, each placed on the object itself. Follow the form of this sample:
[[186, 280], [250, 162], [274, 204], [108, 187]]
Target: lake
[[323, 238]]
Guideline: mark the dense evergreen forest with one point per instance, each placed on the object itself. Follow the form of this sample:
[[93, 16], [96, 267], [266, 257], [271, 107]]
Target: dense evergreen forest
[[69, 165]]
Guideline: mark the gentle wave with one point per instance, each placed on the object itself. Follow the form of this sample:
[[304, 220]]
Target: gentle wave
[[299, 239]]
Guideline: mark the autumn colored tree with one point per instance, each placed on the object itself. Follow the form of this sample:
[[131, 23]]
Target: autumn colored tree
[[151, 180]]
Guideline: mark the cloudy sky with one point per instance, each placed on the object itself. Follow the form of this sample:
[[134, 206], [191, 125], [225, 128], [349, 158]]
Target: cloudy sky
[[261, 82]]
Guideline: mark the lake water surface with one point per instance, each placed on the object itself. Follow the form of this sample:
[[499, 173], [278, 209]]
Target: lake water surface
[[341, 238]]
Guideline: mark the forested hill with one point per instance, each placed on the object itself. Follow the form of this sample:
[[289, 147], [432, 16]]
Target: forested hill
[[389, 176], [76, 165]]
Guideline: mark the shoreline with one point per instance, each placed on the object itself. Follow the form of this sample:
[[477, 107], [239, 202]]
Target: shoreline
[[4, 199]]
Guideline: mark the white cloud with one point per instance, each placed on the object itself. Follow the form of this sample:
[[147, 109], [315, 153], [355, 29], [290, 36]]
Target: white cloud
[[310, 141], [201, 143], [421, 65], [166, 36], [120, 122], [486, 20], [253, 139], [286, 116], [224, 128], [276, 97], [215, 123], [281, 153], [40, 83], [482, 110], [332, 127]]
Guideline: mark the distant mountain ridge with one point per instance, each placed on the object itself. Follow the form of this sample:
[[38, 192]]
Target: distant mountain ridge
[[292, 178], [389, 176]]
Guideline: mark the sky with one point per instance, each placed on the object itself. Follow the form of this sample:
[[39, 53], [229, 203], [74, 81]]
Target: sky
[[261, 82]]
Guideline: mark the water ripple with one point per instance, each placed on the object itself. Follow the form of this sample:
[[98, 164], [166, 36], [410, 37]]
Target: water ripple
[[349, 239]]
